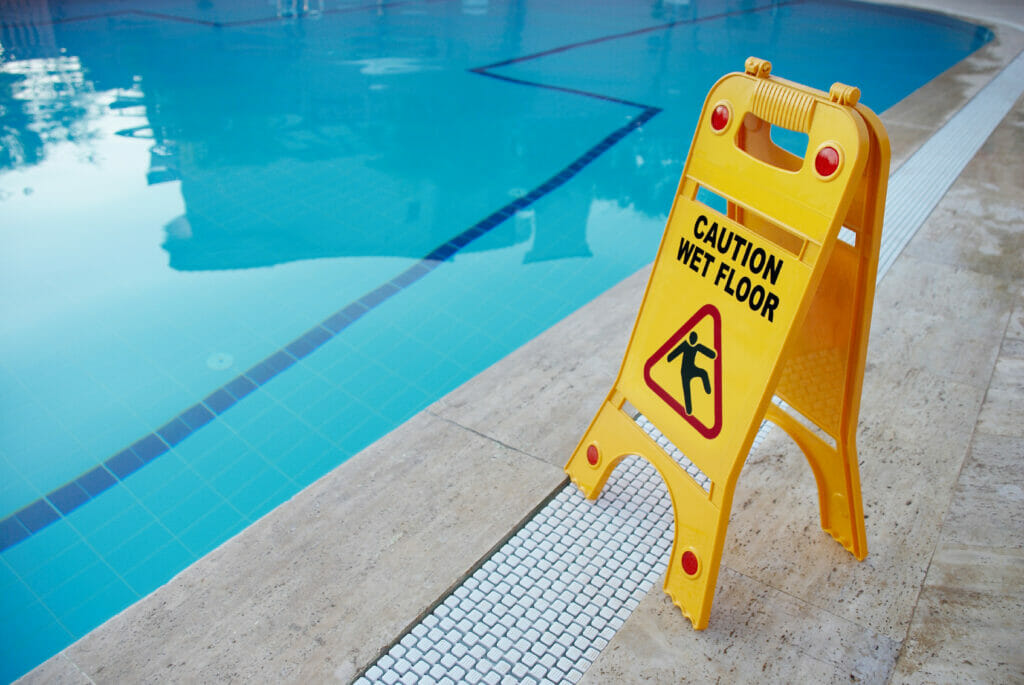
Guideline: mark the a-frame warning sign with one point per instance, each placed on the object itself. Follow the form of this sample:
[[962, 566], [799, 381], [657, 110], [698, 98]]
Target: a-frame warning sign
[[690, 386], [763, 301]]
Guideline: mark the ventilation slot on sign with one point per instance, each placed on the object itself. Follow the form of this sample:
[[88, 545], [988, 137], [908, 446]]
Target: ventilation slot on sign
[[759, 224], [804, 421]]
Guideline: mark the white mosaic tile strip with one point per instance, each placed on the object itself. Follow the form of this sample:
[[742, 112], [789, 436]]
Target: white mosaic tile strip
[[692, 470], [542, 608], [923, 180]]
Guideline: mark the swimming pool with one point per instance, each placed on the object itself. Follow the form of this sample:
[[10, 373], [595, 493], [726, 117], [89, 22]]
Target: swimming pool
[[219, 282]]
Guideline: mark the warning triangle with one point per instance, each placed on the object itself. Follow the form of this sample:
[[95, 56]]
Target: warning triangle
[[686, 371]]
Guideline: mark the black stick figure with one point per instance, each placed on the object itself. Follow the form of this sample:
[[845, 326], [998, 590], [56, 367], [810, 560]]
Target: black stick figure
[[689, 369]]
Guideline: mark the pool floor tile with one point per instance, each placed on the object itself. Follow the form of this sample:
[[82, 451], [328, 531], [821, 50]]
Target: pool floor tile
[[319, 465], [31, 554], [81, 587], [214, 528], [250, 411], [110, 600], [191, 506], [237, 474], [158, 568], [309, 393], [137, 548], [210, 463], [13, 596], [250, 498], [328, 407], [34, 635], [54, 573], [307, 450], [12, 531], [155, 483], [122, 526], [281, 435], [281, 495]]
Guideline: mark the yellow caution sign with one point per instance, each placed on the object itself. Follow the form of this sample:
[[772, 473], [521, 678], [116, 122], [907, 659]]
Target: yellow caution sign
[[765, 301]]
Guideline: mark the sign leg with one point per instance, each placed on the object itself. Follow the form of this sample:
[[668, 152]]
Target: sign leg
[[700, 526], [838, 478]]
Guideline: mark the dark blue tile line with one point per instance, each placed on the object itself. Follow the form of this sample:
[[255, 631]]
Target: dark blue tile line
[[637, 32], [483, 71], [69, 497]]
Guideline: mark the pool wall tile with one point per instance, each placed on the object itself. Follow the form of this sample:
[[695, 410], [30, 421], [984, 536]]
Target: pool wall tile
[[189, 501], [150, 447], [96, 481], [127, 557], [68, 498], [196, 416], [12, 531], [14, 594], [37, 515], [261, 373], [100, 511], [36, 637], [240, 387], [53, 573], [158, 568], [206, 533], [121, 527], [174, 431], [124, 464], [82, 586], [110, 600], [219, 401]]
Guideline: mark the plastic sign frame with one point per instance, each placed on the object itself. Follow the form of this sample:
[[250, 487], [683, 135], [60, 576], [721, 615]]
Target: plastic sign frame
[[758, 303]]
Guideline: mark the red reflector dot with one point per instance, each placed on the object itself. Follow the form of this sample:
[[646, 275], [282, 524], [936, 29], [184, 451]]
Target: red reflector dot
[[827, 161], [690, 563], [592, 455], [720, 117]]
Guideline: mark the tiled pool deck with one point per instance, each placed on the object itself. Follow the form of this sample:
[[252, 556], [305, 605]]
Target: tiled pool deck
[[324, 585]]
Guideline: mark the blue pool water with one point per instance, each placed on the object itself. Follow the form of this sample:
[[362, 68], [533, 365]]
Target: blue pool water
[[239, 242]]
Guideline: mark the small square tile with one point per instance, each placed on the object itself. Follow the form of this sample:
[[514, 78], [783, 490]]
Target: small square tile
[[96, 481], [280, 361], [219, 401], [37, 515], [12, 532], [196, 416], [174, 432], [148, 449], [68, 498], [240, 387]]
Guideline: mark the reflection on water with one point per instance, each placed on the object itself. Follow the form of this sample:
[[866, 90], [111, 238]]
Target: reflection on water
[[310, 138], [42, 101], [313, 138], [310, 141]]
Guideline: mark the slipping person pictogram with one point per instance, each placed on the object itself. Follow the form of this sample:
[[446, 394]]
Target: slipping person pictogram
[[688, 369]]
